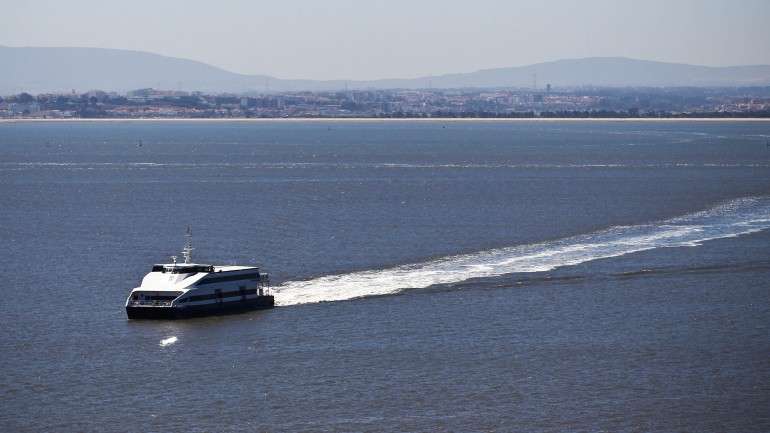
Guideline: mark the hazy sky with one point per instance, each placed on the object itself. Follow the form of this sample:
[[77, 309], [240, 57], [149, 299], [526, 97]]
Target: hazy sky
[[359, 39]]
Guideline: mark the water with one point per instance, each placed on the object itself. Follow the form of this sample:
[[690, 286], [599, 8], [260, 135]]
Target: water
[[432, 276]]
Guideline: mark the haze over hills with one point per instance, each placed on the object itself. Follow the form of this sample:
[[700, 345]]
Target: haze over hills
[[41, 70]]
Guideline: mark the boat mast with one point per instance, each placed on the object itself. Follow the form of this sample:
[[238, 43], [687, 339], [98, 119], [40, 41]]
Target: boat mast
[[188, 248]]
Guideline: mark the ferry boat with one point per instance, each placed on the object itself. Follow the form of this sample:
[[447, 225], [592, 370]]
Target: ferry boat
[[179, 290]]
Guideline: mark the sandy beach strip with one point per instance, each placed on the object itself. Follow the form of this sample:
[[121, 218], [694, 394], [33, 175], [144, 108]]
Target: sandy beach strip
[[390, 120]]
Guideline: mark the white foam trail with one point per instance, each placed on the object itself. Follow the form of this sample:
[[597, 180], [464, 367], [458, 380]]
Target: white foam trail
[[168, 341], [730, 219], [362, 165]]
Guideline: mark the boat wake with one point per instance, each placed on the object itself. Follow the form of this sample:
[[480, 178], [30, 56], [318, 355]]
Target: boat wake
[[16, 166], [730, 219]]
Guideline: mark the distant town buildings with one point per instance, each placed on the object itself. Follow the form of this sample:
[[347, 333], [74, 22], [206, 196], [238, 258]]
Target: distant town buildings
[[550, 102]]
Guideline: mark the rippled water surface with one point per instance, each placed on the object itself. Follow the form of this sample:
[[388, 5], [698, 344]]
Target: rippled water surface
[[431, 276]]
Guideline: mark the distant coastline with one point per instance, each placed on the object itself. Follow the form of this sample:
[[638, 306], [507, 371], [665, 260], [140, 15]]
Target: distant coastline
[[548, 103], [392, 120]]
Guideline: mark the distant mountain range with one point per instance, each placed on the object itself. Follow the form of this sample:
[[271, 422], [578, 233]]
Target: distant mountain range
[[39, 70]]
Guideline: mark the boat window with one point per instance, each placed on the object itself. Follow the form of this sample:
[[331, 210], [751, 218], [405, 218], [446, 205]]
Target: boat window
[[189, 269], [167, 296], [182, 269]]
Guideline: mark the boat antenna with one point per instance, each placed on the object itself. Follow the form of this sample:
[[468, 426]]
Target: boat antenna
[[188, 248]]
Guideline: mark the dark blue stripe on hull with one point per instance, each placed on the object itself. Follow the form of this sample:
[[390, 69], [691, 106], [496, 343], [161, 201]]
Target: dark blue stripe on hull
[[215, 278], [214, 309]]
